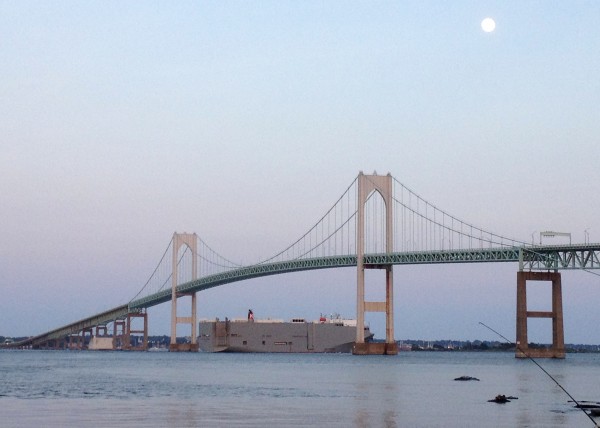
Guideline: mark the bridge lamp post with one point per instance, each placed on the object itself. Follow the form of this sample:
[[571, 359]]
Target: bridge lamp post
[[586, 235]]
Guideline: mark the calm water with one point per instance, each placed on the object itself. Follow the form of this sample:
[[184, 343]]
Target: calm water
[[160, 389]]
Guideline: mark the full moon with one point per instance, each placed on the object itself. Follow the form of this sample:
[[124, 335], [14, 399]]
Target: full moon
[[488, 25]]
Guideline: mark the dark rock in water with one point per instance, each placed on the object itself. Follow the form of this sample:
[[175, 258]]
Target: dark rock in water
[[501, 398], [594, 411], [466, 378]]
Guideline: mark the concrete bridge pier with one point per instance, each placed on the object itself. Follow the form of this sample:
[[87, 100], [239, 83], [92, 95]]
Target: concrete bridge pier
[[99, 339], [75, 342], [101, 330], [50, 344], [556, 314], [389, 347], [86, 335], [129, 330], [53, 344], [368, 184], [191, 240], [118, 334]]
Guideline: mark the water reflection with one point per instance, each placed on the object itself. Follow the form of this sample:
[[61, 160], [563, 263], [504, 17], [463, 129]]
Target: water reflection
[[377, 398]]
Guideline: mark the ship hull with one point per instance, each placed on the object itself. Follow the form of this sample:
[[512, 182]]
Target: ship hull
[[277, 337]]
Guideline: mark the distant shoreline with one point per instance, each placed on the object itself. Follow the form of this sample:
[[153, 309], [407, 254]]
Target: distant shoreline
[[405, 345], [483, 346]]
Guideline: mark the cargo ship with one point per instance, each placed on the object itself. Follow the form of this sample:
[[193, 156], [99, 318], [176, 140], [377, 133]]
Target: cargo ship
[[327, 334]]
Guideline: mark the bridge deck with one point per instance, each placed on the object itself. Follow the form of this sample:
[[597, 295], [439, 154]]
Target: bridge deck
[[531, 258]]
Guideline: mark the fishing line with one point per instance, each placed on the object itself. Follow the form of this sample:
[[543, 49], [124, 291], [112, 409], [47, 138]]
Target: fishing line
[[593, 273], [544, 370]]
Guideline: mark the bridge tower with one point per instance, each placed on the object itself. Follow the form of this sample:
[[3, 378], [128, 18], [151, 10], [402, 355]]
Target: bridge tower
[[191, 240], [368, 184], [556, 314]]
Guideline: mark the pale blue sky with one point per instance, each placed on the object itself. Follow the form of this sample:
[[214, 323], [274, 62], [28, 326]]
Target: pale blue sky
[[121, 123]]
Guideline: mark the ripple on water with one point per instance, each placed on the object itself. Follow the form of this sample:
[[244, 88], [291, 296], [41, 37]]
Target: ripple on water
[[145, 389]]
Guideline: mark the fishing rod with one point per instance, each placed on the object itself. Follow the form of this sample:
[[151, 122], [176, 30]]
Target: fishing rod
[[544, 370]]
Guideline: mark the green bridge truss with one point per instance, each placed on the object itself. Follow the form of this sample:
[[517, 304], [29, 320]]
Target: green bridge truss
[[529, 258]]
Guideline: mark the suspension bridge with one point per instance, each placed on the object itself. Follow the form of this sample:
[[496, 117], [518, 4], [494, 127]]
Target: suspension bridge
[[375, 224]]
